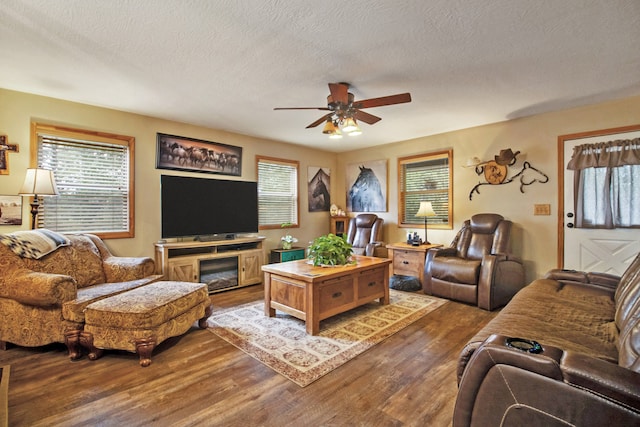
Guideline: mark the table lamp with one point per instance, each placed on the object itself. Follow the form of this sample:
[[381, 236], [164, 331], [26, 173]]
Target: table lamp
[[38, 182], [425, 210]]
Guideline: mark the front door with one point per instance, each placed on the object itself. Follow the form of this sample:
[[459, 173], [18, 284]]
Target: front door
[[586, 249]]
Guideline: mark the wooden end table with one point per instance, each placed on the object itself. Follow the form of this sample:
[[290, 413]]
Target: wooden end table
[[408, 260], [284, 255], [316, 293]]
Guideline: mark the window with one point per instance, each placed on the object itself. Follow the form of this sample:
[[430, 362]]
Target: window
[[277, 192], [426, 178], [94, 176], [607, 179]]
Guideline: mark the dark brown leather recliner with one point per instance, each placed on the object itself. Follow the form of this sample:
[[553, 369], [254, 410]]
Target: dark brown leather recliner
[[365, 235], [477, 268]]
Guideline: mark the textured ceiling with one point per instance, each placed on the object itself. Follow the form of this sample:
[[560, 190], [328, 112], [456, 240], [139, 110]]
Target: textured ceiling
[[226, 64]]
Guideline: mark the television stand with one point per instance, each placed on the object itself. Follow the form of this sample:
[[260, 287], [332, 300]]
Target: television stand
[[221, 264]]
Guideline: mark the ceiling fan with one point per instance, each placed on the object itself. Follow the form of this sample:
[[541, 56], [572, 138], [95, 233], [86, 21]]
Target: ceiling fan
[[344, 110]]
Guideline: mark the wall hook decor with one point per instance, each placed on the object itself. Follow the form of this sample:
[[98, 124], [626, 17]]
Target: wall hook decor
[[495, 171]]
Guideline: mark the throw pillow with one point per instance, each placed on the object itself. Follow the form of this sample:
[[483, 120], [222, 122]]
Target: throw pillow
[[34, 244]]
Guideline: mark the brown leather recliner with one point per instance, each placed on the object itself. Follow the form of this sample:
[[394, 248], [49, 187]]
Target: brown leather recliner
[[477, 268], [365, 235]]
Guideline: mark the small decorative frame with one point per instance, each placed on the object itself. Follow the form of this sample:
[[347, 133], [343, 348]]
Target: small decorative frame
[[367, 186], [196, 155], [5, 148], [319, 180], [10, 210]]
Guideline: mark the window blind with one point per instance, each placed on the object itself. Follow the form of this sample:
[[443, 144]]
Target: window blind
[[425, 178], [93, 182], [277, 192]]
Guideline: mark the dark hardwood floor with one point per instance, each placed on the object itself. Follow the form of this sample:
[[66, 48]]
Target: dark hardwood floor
[[199, 379]]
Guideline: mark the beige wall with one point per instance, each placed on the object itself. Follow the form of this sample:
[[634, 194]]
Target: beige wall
[[536, 137], [19, 109], [534, 237]]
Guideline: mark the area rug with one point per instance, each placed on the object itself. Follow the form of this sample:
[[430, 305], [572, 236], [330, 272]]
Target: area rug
[[282, 343]]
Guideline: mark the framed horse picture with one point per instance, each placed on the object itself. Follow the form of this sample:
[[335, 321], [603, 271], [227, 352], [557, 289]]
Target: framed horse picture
[[318, 185], [367, 184], [196, 155]]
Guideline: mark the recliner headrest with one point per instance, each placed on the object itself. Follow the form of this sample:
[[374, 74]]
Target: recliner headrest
[[366, 220], [485, 223]]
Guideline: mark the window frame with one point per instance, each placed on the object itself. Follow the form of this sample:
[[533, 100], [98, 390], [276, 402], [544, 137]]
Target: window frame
[[38, 129], [420, 158], [291, 163]]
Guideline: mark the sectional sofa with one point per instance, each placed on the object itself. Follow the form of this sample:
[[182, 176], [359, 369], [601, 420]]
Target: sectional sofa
[[564, 351]]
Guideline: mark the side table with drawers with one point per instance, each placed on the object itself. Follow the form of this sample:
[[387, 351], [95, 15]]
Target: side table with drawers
[[408, 260]]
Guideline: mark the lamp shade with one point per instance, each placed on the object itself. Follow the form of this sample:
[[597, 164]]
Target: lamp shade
[[350, 125], [329, 127], [426, 209], [39, 182]]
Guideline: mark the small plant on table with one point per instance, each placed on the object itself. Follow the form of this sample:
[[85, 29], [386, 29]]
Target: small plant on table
[[330, 250], [287, 240]]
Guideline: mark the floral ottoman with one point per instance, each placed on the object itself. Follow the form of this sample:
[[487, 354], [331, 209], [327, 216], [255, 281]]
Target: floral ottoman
[[140, 319]]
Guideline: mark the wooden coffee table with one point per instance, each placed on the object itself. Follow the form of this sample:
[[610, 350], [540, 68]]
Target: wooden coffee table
[[315, 293]]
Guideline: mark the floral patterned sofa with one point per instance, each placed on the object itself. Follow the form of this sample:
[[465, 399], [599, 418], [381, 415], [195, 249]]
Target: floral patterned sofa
[[43, 296]]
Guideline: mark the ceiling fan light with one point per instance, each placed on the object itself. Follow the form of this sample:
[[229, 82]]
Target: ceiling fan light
[[350, 125], [355, 132], [335, 135], [330, 128]]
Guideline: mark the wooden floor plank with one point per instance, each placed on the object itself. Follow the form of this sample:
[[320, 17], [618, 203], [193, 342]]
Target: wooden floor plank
[[199, 379]]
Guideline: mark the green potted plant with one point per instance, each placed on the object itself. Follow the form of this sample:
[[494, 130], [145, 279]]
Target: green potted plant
[[330, 250], [287, 240]]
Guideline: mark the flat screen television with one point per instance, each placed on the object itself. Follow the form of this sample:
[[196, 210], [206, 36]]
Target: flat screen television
[[207, 208]]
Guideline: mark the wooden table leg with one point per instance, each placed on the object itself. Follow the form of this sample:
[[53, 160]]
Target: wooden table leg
[[312, 321], [268, 311], [385, 299]]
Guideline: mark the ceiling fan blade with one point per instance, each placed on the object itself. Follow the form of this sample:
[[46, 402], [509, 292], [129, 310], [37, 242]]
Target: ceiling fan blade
[[302, 108], [320, 120], [339, 92], [385, 100], [366, 117]]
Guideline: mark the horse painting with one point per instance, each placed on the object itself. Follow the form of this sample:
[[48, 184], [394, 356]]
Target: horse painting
[[196, 155], [319, 198], [365, 194]]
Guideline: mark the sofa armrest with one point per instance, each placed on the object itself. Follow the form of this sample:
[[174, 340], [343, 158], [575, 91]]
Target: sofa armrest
[[125, 269], [501, 276], [376, 249], [39, 289], [444, 251], [122, 269], [604, 280], [612, 381], [502, 385]]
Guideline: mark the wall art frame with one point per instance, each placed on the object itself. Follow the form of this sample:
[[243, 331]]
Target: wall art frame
[[196, 155], [367, 185], [10, 210], [318, 189]]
